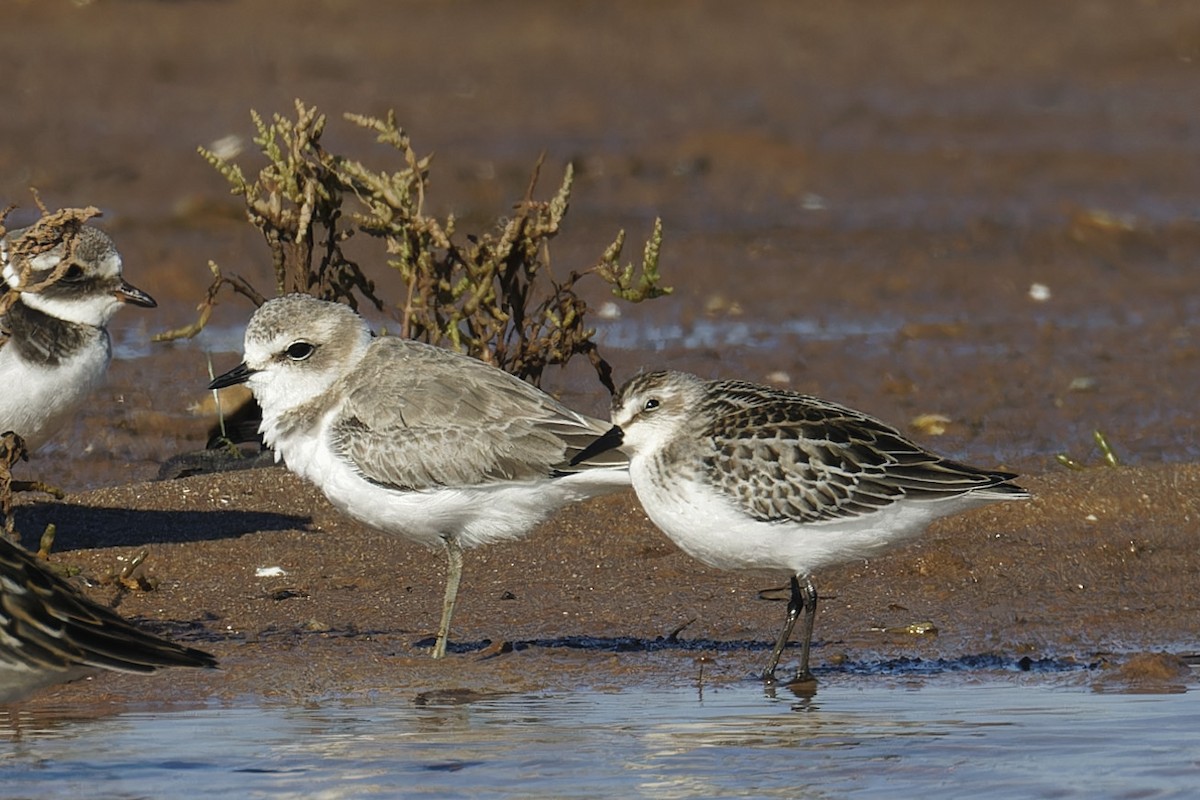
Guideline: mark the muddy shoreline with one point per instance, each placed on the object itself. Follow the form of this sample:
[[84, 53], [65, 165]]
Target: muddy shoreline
[[597, 598]]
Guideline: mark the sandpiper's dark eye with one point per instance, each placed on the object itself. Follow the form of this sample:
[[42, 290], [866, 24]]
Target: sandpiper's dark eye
[[651, 404], [73, 273], [298, 351]]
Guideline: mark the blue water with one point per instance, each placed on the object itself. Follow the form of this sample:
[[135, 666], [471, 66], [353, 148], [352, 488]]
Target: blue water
[[946, 737]]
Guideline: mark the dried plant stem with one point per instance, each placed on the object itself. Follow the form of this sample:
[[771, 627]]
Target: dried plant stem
[[491, 295]]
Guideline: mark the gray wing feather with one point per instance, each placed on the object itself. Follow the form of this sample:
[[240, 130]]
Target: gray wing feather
[[419, 417]]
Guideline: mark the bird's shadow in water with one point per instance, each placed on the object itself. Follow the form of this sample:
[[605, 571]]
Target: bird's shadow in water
[[80, 526]]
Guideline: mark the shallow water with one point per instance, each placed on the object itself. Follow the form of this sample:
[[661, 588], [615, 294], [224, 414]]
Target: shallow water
[[942, 737]]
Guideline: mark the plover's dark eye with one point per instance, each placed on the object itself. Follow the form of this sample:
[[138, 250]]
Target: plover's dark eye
[[73, 273], [298, 351], [651, 404]]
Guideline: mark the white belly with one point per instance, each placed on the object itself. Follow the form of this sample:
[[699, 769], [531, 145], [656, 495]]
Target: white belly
[[712, 529], [475, 515], [37, 401]]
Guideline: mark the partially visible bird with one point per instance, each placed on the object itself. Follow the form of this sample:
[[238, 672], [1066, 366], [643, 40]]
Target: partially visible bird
[[412, 439], [56, 348], [743, 476], [50, 633]]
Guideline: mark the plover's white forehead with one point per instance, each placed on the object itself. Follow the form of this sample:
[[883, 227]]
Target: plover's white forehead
[[94, 253], [299, 316], [297, 346], [88, 288]]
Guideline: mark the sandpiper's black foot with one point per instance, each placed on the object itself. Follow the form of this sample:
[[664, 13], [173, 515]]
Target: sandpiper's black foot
[[802, 680], [801, 676], [803, 685]]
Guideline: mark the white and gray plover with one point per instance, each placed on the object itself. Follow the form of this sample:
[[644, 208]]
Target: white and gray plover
[[413, 439]]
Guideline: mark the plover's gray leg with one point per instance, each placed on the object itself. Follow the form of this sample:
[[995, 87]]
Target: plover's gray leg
[[454, 564]]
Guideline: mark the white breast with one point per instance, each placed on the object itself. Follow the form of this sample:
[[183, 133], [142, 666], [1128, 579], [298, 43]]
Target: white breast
[[712, 529], [36, 400], [476, 515]]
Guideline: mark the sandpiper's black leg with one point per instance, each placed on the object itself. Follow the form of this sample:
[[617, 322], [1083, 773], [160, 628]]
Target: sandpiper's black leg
[[793, 611], [808, 599], [803, 599]]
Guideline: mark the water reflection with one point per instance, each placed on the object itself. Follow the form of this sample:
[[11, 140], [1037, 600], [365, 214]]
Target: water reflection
[[668, 331], [1017, 736]]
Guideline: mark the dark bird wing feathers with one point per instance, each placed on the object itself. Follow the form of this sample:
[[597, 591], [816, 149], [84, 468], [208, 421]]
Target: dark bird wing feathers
[[783, 456], [45, 623]]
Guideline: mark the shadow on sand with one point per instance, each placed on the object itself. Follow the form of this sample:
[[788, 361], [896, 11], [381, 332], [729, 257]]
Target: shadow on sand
[[81, 526]]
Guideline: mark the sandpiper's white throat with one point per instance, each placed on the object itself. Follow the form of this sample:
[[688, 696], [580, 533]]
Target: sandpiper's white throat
[[743, 476], [413, 439], [57, 347], [50, 633]]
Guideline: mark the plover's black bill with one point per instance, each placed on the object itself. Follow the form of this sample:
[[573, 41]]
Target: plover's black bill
[[128, 293], [239, 374]]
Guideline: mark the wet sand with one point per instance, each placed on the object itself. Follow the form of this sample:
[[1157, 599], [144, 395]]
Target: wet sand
[[599, 598], [857, 200]]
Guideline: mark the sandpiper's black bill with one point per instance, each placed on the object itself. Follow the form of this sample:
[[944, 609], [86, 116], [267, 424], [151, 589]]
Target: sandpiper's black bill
[[611, 440], [239, 374], [128, 293]]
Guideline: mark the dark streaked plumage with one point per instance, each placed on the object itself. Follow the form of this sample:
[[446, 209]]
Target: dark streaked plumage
[[787, 456], [743, 476], [41, 339], [50, 633]]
